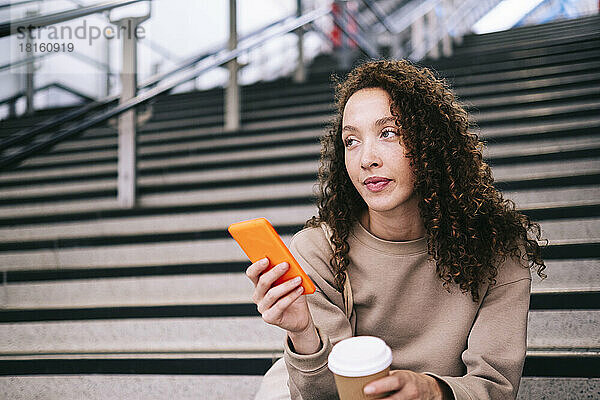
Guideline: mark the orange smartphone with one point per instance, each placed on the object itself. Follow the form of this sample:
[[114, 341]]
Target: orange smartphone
[[258, 239]]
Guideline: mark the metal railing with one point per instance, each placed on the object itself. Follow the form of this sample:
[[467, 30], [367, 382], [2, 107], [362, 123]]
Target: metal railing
[[56, 85], [27, 134], [99, 112], [10, 28], [177, 78], [419, 28]]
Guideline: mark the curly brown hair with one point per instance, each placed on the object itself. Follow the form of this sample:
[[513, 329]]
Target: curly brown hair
[[470, 228]]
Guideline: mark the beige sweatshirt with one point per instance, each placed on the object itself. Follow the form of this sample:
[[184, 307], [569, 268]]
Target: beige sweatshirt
[[478, 349]]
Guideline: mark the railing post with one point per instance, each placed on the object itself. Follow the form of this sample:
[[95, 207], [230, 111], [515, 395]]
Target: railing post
[[458, 28], [232, 92], [30, 71], [127, 151], [300, 73], [446, 39], [345, 52], [432, 27], [107, 83], [12, 109], [417, 38]]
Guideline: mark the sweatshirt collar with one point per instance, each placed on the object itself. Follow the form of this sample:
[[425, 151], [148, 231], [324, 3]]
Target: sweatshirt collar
[[415, 246]]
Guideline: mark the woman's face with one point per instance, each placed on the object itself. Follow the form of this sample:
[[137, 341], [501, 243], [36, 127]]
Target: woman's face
[[373, 150]]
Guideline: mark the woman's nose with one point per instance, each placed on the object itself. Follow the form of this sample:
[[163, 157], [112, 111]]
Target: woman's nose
[[370, 158]]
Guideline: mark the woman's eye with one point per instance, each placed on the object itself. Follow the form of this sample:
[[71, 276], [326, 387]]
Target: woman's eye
[[389, 131], [348, 142]]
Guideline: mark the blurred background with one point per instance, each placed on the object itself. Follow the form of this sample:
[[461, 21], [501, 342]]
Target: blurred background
[[132, 133]]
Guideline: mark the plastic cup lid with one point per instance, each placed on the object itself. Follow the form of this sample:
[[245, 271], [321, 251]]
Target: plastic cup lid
[[359, 356]]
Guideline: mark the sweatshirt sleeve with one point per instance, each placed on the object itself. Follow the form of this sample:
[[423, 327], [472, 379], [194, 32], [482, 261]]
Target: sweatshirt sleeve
[[309, 376], [497, 343]]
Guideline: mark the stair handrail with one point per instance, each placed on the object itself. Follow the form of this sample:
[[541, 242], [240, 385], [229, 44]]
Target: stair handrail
[[211, 62], [58, 85], [53, 122], [416, 10], [193, 60], [383, 20], [452, 22], [409, 14], [39, 21]]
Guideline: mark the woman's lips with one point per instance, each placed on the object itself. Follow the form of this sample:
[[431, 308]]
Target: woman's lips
[[377, 186]]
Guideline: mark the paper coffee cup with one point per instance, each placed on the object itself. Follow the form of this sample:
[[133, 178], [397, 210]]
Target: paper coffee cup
[[357, 361]]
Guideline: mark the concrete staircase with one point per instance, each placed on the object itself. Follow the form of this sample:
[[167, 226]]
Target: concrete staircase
[[152, 303]]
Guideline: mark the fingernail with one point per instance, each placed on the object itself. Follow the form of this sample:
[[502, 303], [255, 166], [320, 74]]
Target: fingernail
[[297, 279], [284, 265], [369, 390], [264, 261]]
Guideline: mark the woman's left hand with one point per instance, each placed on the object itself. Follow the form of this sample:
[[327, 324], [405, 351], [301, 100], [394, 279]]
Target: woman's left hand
[[405, 385]]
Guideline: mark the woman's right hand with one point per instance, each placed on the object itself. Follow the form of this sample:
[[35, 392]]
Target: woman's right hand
[[282, 305]]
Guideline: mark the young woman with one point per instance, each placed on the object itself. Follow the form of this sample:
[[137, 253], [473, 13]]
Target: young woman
[[439, 261]]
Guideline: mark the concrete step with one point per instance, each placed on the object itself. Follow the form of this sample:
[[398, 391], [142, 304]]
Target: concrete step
[[497, 57], [218, 288], [537, 32], [548, 330], [203, 246], [568, 276], [524, 148], [529, 30], [205, 141], [525, 74], [538, 84], [549, 197], [224, 387], [564, 51], [564, 276], [528, 45], [536, 111], [145, 161], [546, 170], [556, 95], [106, 338], [549, 128], [249, 110], [558, 388], [199, 198], [312, 92], [131, 387], [250, 117], [187, 222], [523, 60], [130, 255], [194, 139]]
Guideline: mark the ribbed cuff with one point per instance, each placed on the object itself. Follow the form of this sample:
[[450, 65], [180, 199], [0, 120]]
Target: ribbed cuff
[[308, 362], [457, 389]]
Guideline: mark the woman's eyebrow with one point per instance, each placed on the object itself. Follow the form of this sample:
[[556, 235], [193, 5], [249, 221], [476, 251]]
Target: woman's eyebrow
[[349, 128], [379, 122], [385, 121]]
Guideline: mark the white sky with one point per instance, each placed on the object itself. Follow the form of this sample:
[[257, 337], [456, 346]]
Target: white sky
[[504, 15]]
